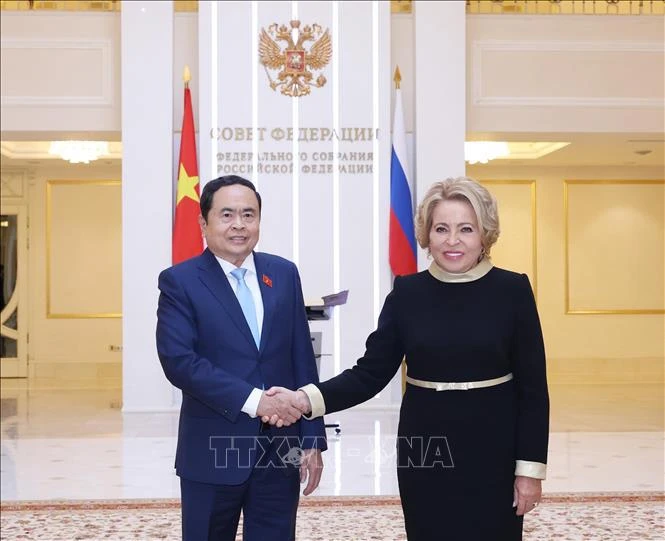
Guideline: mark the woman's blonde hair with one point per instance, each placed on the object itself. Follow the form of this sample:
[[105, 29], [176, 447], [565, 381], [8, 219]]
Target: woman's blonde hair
[[464, 189]]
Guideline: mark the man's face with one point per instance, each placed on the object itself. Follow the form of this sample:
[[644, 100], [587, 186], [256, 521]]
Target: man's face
[[232, 227]]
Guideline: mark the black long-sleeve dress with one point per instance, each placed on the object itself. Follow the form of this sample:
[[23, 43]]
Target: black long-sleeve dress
[[457, 449]]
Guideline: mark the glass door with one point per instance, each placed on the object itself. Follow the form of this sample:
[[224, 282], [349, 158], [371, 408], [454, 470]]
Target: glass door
[[13, 277]]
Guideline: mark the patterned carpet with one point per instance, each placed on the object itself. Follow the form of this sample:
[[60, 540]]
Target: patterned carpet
[[589, 517]]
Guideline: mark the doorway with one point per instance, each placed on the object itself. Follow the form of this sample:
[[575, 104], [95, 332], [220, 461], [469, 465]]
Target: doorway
[[13, 291]]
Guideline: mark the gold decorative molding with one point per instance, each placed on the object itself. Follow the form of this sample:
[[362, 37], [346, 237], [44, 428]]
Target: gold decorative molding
[[60, 5], [401, 6], [84, 5], [473, 7], [185, 6], [534, 228], [49, 215], [568, 309], [12, 185], [566, 7]]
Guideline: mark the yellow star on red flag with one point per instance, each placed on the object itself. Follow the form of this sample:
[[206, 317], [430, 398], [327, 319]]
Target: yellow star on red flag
[[187, 241], [187, 185]]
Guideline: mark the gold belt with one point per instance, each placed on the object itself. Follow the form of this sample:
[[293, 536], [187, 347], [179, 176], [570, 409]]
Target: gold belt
[[458, 385]]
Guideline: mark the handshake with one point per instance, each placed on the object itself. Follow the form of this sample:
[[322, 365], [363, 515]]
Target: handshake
[[282, 407]]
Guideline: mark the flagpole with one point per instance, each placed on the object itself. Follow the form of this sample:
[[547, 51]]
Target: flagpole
[[398, 79]]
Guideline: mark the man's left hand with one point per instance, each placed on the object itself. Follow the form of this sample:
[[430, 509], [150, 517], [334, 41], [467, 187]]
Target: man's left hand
[[527, 494], [311, 468]]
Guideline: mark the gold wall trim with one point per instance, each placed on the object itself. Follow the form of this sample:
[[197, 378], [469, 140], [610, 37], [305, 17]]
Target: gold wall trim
[[568, 310], [84, 5], [60, 5], [49, 215], [473, 7], [186, 6], [534, 227], [565, 7], [401, 6]]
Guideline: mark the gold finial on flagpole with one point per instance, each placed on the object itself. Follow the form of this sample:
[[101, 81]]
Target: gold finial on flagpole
[[186, 76], [397, 78]]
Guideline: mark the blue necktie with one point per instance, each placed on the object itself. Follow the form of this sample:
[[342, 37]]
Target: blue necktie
[[247, 303]]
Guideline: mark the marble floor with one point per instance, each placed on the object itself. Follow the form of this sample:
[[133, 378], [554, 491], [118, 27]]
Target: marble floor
[[79, 445]]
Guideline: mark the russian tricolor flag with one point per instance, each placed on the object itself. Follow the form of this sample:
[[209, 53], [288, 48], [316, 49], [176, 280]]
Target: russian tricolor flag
[[402, 240]]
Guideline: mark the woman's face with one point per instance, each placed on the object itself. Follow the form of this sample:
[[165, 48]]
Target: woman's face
[[454, 239]]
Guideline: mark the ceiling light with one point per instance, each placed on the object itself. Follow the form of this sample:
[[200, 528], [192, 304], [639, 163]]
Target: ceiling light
[[79, 151], [484, 151]]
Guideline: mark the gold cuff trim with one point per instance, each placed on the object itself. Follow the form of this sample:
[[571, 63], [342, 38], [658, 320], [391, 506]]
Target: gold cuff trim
[[458, 385], [315, 399], [480, 270], [526, 468]]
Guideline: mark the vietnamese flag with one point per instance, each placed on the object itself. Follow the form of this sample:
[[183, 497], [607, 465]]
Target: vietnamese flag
[[187, 239]]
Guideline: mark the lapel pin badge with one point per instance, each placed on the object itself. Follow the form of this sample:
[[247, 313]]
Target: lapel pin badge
[[267, 281]]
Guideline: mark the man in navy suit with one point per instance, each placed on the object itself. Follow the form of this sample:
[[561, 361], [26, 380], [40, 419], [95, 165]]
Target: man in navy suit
[[230, 323]]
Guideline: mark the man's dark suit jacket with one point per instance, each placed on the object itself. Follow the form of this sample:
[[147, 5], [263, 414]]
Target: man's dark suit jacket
[[206, 349]]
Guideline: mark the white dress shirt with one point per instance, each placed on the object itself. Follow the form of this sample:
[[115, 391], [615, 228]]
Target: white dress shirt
[[252, 281]]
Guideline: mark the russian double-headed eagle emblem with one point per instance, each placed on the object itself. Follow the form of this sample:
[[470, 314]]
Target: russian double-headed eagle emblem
[[294, 61]]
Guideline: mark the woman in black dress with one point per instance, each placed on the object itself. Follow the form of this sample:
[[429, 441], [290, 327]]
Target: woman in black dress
[[473, 430]]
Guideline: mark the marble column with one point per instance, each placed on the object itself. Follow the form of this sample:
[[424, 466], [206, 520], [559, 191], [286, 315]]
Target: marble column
[[440, 127], [147, 194]]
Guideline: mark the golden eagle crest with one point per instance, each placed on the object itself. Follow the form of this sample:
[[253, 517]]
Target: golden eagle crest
[[294, 62]]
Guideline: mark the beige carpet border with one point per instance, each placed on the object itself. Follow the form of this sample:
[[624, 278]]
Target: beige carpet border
[[312, 501]]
